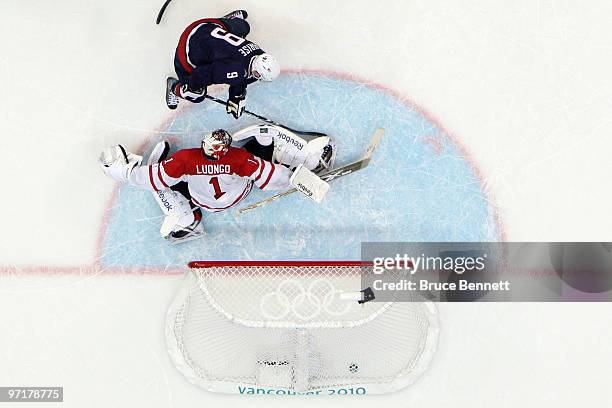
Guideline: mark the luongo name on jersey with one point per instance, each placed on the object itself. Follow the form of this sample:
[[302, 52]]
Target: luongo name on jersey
[[214, 185]]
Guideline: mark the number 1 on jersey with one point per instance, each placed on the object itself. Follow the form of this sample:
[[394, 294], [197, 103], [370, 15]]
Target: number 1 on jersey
[[214, 181]]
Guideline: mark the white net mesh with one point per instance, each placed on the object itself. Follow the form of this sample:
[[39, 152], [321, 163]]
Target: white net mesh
[[295, 327]]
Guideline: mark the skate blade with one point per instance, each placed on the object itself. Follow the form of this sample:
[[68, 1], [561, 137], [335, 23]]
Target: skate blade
[[195, 234], [186, 238]]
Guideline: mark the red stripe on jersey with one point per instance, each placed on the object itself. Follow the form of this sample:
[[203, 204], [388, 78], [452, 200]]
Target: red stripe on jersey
[[196, 202], [269, 177], [182, 45], [262, 164], [151, 178], [246, 191], [159, 175]]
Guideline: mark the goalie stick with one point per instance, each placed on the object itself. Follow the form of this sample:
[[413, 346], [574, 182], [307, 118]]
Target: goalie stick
[[330, 175]]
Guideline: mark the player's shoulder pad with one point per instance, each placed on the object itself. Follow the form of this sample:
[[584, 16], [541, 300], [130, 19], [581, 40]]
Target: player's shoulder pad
[[186, 155], [242, 159], [239, 155], [238, 152]]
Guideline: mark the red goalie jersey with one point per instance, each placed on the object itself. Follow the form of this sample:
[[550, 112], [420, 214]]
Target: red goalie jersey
[[214, 185]]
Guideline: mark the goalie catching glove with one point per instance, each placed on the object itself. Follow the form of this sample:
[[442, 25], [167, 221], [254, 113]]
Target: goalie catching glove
[[118, 164]]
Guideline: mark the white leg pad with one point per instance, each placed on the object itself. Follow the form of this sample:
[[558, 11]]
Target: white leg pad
[[176, 208], [178, 212]]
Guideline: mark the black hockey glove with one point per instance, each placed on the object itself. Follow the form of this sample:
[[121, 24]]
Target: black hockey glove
[[235, 105]]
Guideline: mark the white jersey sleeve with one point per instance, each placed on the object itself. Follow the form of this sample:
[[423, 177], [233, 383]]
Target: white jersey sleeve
[[270, 176], [153, 177]]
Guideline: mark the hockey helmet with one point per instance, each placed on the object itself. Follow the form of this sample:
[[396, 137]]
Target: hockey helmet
[[216, 143], [265, 67]]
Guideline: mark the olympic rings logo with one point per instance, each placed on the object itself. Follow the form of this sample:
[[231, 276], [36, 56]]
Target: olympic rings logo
[[306, 303]]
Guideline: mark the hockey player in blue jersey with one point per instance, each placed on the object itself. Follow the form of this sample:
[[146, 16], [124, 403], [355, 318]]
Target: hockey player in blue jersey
[[215, 51]]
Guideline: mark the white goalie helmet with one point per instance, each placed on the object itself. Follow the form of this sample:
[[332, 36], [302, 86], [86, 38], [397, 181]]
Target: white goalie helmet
[[265, 67], [216, 143]]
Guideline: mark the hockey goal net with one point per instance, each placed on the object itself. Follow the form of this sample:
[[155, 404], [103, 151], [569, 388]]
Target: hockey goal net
[[295, 327]]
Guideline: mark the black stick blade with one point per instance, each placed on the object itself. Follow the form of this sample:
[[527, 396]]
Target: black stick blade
[[161, 11]]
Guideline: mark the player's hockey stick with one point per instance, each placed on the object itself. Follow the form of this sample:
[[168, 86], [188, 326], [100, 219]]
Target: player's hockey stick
[[301, 132], [330, 175], [161, 11]]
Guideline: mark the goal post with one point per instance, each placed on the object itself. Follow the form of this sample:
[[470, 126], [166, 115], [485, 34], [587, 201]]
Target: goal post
[[295, 327]]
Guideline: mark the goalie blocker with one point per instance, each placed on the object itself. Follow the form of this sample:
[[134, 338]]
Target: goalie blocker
[[309, 184]]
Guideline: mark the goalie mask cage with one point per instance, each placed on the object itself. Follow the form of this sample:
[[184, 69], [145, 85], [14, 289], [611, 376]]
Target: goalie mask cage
[[256, 327]]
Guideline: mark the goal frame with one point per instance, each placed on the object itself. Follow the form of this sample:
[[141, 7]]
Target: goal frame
[[212, 264], [367, 387]]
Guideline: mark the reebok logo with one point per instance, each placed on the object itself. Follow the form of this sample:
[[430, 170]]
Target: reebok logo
[[164, 201]]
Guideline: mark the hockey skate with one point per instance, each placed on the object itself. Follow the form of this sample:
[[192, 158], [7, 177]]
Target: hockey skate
[[189, 233], [171, 98], [237, 14], [327, 159]]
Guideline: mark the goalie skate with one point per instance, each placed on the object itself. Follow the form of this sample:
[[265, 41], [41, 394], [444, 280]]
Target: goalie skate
[[193, 231]]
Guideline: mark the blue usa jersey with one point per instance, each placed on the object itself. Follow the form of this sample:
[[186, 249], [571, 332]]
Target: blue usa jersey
[[208, 54]]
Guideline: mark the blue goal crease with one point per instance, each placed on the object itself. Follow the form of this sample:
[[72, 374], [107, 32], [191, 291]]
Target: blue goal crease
[[418, 186]]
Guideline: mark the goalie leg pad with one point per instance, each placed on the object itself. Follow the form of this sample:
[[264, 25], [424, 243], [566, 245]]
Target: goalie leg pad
[[180, 219], [177, 210], [293, 150]]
